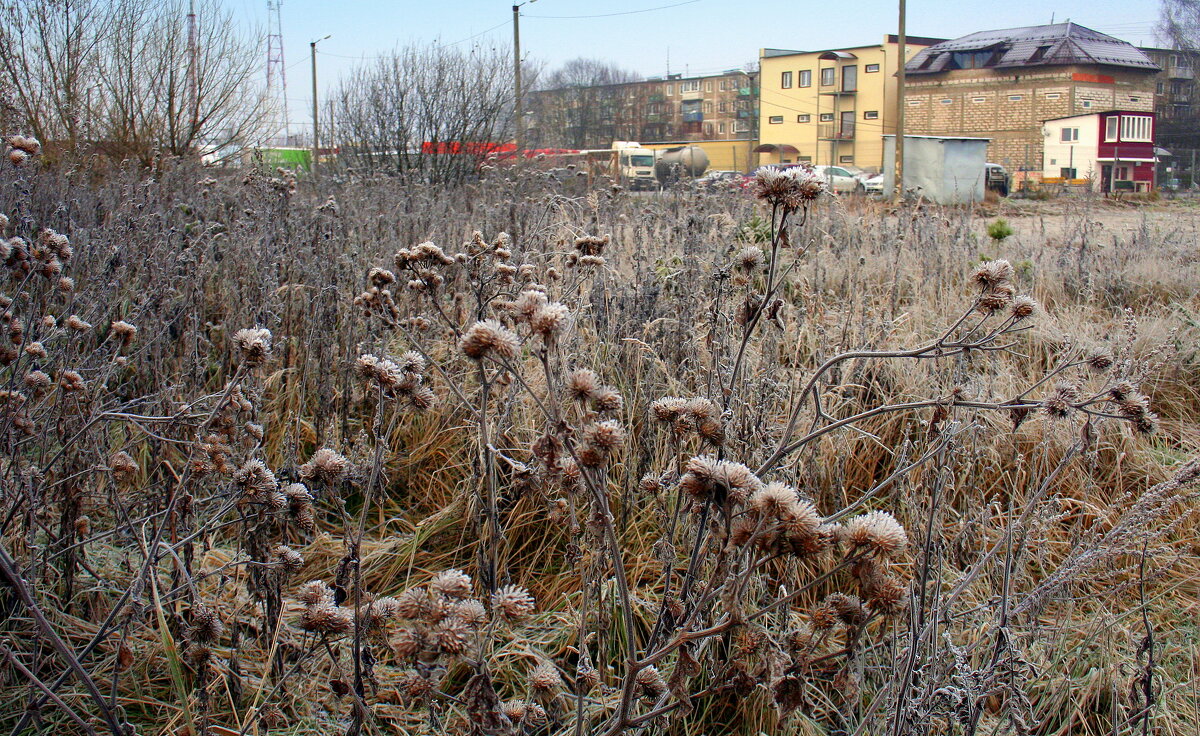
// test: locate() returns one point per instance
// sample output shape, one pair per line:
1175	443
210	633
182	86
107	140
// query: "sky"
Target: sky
686	36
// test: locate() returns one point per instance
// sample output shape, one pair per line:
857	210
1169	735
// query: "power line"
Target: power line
436	45
609	15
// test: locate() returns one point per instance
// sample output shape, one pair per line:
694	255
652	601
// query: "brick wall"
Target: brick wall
1010	107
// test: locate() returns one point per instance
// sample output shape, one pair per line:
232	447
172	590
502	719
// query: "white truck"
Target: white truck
645	168
635	165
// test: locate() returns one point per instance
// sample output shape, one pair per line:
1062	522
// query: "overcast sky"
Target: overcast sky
697	37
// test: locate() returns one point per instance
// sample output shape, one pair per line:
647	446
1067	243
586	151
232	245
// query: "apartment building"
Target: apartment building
1004	84
1175	86
831	106
675	108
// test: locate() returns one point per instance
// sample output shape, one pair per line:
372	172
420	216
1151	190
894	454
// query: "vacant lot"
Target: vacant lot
355	456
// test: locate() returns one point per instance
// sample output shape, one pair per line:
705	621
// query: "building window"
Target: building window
804	159
978	99
1135	128
1135	99
946	101
871	115
871	68
785	80
670	89
914	103
806	77
850	78
845	159
689	86
741	127
826	117
723	107
708	129
1015	98
1159	88
803	118
1052	95
827	76
775	119
708	86
1067	173
1038	53
1070	135
1085	103
1111	129
721	128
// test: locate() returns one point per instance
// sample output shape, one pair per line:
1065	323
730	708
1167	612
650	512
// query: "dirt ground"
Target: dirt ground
1061	219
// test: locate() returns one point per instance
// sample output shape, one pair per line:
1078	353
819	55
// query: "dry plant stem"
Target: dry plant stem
17	584
49	693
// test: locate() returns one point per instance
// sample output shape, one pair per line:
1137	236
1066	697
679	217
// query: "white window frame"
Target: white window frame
1112	129
826	117
1069	135
1136	128
804	118
805	77
870	69
775	120
785	80
870	115
830	73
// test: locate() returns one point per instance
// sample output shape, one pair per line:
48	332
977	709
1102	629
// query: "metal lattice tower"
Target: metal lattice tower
276	73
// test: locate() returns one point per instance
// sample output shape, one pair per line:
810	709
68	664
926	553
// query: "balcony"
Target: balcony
1181	72
744	113
835	132
693	117
745	91
655	98
839	92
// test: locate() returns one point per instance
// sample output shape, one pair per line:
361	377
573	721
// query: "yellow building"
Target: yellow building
830	107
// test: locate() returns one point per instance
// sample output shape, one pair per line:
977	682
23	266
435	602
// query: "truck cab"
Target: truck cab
636	165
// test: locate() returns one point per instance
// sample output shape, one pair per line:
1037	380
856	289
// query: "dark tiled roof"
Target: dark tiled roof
1049	45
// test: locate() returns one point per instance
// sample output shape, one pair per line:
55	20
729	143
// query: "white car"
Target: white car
838	179
873	183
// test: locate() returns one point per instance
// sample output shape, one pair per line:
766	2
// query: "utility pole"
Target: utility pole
518	111
193	85
312	45
898	183
518	123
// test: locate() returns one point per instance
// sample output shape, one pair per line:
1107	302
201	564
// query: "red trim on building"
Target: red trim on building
1097	78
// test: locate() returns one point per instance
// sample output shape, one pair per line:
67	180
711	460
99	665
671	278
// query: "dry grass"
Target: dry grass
191	262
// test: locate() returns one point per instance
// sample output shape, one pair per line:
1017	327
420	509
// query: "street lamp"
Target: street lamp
519	122
312	45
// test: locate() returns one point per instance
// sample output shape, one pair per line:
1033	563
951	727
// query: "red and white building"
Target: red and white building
1113	151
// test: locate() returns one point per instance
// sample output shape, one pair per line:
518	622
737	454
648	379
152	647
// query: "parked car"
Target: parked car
718	179
996	179
873	183
838	179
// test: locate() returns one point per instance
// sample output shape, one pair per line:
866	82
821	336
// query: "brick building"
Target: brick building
720	107
1004	84
831	106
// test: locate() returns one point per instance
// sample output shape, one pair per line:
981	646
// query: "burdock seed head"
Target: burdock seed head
991	274
512	603
454	584
326	466
877	533
254	344
489	338
545	678
582	384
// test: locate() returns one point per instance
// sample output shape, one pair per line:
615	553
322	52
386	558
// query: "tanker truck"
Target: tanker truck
645	168
684	162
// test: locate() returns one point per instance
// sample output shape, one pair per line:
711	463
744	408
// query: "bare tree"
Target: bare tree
1179	24
583	105
431	112
123	78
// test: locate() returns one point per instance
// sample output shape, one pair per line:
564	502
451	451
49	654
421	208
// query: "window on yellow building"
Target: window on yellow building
785	80
827	76
805	77
803	118
871	115
775	120
871	68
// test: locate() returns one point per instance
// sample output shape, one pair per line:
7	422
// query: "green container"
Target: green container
291	158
